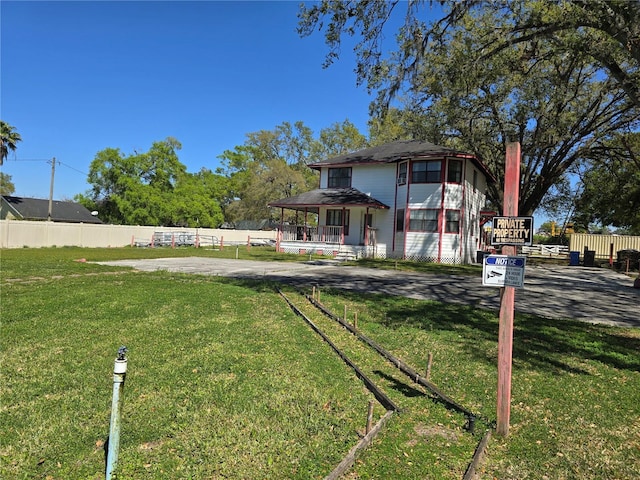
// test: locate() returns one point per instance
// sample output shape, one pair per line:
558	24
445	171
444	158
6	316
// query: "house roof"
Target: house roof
38	209
328	197
397	151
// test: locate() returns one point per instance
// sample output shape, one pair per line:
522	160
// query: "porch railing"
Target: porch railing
321	234
371	236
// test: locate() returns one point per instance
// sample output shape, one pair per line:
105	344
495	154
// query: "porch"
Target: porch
326	240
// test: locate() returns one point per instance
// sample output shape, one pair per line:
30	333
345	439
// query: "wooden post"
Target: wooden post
507	303
611	255
221	243
248	243
429	362
345	313
369	416
132	240
173	240
313	292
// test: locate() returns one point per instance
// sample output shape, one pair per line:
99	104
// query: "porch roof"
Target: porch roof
328	197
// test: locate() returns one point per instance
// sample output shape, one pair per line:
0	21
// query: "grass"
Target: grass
226	382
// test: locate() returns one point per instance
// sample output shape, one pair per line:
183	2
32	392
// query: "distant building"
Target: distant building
37	209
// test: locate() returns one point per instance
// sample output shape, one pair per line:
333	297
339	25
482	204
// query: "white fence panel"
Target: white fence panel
19	234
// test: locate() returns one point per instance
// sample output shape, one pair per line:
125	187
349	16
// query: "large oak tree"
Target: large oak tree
488	73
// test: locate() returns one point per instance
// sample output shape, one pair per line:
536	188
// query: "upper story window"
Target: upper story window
402	173
400	220
475	179
339	177
454	171
426	171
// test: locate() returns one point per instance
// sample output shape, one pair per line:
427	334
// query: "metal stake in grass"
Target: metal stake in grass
355	320
369	416
345	313
429	361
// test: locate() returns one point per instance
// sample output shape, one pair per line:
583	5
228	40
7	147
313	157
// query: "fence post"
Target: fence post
248	243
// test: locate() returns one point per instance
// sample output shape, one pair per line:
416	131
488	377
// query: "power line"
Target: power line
29	160
73	168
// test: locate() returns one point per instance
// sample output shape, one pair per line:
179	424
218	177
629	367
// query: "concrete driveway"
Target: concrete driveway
590	294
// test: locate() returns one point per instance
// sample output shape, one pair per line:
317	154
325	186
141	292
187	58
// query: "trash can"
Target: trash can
574	259
589	258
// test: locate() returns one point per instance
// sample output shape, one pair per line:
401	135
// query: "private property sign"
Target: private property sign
512	231
503	271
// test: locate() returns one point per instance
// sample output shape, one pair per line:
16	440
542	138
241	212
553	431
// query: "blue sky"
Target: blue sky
78	77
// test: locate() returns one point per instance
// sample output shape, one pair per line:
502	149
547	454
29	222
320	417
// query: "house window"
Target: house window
400	220
452	221
423	220
402	173
339	177
454	171
426	171
334	219
475	180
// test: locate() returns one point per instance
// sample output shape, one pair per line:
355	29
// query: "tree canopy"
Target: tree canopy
489	73
151	188
6	185
9	139
610	194
272	164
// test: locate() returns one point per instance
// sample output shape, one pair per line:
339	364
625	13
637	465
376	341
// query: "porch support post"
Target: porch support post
304	229
344	212
280	232
366	228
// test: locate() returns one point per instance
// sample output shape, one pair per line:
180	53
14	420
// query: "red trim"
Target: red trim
441	223
462	207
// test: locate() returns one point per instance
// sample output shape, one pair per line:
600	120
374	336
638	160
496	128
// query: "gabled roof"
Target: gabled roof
38	209
397	151
328	197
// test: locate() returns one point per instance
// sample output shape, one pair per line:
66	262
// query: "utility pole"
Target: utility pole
53	172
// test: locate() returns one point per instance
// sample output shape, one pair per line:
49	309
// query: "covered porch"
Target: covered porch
330	221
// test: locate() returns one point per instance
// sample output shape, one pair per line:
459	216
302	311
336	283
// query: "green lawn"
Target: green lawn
225	381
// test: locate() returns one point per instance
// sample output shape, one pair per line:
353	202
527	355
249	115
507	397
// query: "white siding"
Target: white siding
379	181
422	246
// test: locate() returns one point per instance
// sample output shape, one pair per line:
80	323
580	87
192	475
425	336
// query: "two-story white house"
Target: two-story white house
407	199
